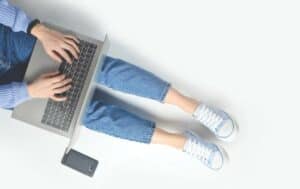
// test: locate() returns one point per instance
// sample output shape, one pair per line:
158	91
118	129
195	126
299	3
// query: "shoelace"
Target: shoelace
198	149
208	117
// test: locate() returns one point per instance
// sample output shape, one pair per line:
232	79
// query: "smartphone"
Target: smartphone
80	162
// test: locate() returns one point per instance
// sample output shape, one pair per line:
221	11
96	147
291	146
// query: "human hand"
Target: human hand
56	44
48	85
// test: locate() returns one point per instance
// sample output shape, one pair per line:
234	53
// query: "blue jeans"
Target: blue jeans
15	51
112	119
116	74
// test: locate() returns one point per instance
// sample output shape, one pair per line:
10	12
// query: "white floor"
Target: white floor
242	56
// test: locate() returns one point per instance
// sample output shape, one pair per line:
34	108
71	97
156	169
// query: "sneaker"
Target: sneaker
218	121
208	153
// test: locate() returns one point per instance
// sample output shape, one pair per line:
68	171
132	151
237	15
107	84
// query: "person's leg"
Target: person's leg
126	77
218	121
190	143
163	137
114	121
187	104
117	122
123	76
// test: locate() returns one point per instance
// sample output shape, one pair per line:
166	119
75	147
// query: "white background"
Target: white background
242	56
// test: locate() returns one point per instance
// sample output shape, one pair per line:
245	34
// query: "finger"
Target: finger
50	74
73	44
57	78
65	55
55	57
62	89
59	99
71	50
73	38
61	84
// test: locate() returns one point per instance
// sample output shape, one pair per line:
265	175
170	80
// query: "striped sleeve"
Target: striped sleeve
13	17
13	94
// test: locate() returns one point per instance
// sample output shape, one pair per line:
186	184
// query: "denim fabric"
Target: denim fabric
113	120
114	73
15	51
123	76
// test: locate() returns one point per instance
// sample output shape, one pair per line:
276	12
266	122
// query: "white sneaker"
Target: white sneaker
218	121
208	153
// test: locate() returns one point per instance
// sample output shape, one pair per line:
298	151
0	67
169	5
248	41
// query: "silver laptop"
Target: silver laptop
63	118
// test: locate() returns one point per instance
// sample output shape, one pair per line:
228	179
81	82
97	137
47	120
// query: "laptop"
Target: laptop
63	118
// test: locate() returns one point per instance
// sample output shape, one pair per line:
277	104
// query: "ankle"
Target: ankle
176	141
170	139
183	102
188	105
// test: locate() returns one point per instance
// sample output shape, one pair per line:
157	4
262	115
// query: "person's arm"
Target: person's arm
13	17
55	43
45	86
13	94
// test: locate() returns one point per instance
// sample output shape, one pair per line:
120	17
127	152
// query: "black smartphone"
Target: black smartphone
80	162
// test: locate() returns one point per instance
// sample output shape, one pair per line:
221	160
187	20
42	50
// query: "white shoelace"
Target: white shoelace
198	149
208	117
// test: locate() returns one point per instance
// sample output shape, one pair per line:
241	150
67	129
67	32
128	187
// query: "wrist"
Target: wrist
32	24
38	30
30	90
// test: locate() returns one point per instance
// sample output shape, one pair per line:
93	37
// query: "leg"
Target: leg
165	138
112	120
208	153
117	122
123	76
185	103
218	121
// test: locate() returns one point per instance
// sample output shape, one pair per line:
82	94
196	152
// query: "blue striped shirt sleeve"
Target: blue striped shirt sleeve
13	94
13	17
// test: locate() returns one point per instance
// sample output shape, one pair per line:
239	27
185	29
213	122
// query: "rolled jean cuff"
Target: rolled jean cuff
164	92
147	136
126	77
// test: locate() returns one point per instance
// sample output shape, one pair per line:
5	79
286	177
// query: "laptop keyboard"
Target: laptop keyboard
59	114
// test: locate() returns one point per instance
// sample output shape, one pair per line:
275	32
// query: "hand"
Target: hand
56	44
48	85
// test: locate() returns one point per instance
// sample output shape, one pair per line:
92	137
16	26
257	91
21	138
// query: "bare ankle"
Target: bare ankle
185	103
165	138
